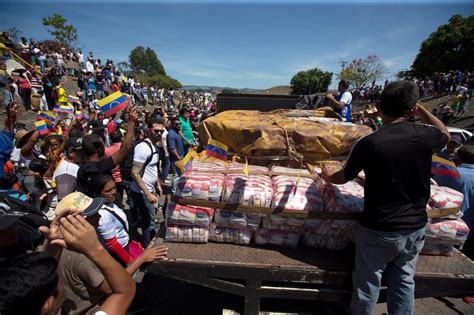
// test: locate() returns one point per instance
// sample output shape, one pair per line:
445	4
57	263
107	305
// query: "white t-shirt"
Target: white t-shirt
110	226
150	175
346	98
163	143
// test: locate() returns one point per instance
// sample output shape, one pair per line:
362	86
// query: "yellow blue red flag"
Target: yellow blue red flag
113	103
216	149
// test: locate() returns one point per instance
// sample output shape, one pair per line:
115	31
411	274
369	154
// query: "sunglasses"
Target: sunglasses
157	131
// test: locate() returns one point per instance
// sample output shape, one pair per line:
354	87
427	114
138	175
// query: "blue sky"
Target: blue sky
241	44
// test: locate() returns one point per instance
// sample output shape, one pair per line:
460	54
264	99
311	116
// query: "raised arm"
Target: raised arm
428	118
81	237
127	143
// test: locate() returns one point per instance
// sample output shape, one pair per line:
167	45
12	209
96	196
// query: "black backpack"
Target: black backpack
127	163
28	235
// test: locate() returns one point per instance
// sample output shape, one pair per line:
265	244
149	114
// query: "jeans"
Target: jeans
166	168
146	211
6	97
394	254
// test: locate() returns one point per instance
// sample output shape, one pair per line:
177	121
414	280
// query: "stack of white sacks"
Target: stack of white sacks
292	192
447	230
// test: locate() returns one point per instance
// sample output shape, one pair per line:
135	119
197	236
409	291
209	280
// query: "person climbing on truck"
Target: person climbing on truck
397	162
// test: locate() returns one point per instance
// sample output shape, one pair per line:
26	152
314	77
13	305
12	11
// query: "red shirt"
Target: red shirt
23	83
116	170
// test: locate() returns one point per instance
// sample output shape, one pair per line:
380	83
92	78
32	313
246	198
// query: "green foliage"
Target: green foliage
405	75
230	90
310	82
450	47
66	34
361	72
160	80
146	61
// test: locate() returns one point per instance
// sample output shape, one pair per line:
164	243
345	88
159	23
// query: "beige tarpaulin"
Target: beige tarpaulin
314	134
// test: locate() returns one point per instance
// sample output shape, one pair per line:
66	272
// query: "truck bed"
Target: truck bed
305	273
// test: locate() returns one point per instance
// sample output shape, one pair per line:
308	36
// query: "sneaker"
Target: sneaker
469	299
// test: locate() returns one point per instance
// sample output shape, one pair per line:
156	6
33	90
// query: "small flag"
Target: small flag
113	103
48	116
42	127
246	169
79	115
440	166
216	149
64	108
74	99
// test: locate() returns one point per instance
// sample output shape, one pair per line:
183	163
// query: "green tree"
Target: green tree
228	90
405	75
145	60
160	80
361	72
450	47
310	82
66	34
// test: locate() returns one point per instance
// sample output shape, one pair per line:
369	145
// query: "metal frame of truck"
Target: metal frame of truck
302	273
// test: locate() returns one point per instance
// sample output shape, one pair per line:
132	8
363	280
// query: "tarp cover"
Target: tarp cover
309	132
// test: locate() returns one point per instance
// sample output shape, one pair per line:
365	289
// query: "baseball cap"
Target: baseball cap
74	143
80	202
8	216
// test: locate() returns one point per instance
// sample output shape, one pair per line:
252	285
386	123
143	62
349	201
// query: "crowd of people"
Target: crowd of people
81	190
90	183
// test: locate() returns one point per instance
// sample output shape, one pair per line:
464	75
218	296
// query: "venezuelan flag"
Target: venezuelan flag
440	166
64	108
42	127
73	99
216	149
113	103
48	116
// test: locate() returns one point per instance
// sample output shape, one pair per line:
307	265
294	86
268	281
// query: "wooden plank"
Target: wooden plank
266	210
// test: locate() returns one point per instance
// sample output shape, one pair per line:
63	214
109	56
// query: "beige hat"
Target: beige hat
79	202
22	136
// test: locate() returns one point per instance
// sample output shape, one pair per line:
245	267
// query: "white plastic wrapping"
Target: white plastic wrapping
237	220
188	215
200	186
447	231
306	196
252	190
444	201
186	234
277	237
230	235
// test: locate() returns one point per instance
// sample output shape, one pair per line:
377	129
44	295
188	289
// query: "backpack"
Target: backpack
127	163
28	235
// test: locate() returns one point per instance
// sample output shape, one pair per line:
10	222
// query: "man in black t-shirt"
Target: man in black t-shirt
396	160
94	151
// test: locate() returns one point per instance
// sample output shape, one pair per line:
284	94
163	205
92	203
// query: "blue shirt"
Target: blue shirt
465	184
174	142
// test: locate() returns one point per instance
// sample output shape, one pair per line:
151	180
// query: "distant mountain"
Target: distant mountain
283	89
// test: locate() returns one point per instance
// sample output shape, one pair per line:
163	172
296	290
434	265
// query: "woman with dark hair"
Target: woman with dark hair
113	227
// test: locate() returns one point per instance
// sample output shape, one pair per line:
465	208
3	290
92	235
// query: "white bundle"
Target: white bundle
235	167
188	215
447	231
230	235
278	222
252	190
208	167
444	201
277	237
200	186
437	249
237	220
289	171
306	196
186	234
